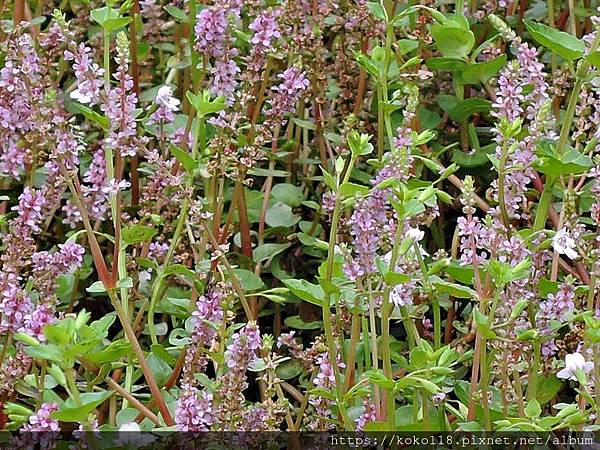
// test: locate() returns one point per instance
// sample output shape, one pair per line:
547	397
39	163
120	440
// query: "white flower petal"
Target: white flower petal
565	374
130	426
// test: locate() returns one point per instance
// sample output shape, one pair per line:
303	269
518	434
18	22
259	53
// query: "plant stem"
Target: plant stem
501	186
199	137
133	401
581	74
535	367
139	353
483	385
437	316
327	306
135	75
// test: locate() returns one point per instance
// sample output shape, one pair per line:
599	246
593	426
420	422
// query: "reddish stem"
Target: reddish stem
19	11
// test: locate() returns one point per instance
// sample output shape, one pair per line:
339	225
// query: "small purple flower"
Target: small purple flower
167	105
36	320
211	31
194	411
120	104
12	160
266	30
88	75
369	415
70	255
15	305
288	92
41	420
29	209
208	309
402	294
224	78
242	349
158	250
328	202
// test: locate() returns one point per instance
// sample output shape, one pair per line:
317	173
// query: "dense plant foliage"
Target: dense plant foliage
299	215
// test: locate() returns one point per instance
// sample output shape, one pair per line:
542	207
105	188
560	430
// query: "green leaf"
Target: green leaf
519	308
483	324
377	377
159	368
349	190
69	412
395	278
377	425
474	159
114	24
359	144
329	180
61	332
101	326
453	42
366	63
266	251
594	59
289	369
298	323
564	44
482	72
179	269
101	15
377	10
470	426
90	114
249	280
49	352
186	160
533	409
113	352
570	162
305	124
418	358
260	172
443	63
125	283
281	215
135	234
407	45
26	338
453	289
97	287
288	193
468	107
204	105
309	292
177	13
547	388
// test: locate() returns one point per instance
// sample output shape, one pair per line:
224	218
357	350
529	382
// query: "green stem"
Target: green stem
544	205
535	367
199	136
327	304
425	409
380	125
582	73
387	360
596	359
74	393
501	185
437	314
